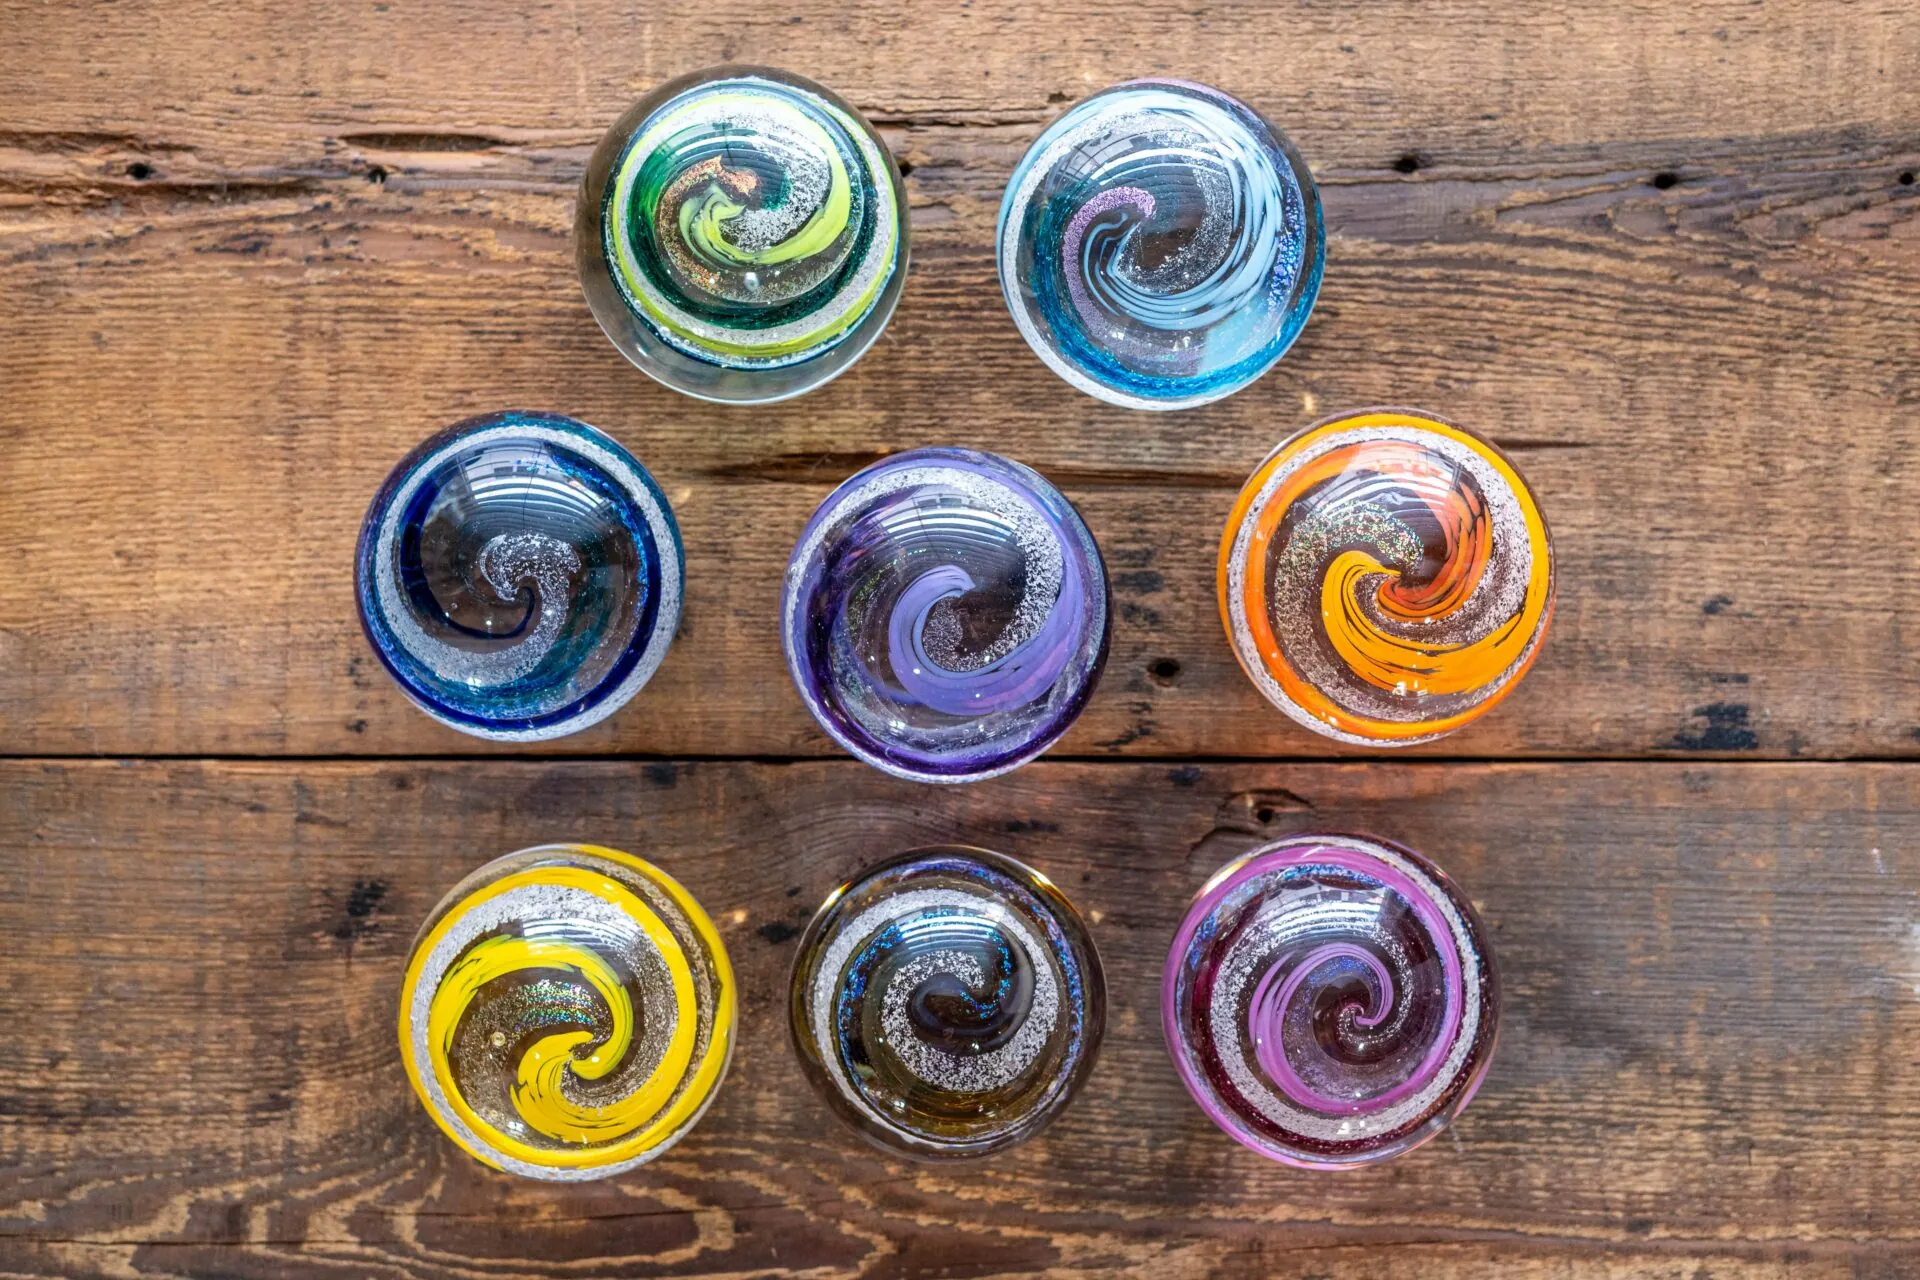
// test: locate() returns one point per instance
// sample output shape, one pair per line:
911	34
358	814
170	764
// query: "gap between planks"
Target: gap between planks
1116	760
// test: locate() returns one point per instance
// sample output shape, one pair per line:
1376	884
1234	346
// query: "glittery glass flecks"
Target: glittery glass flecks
947	1003
520	576
1330	1000
1160	245
742	234
1386	577
945	615
568	1013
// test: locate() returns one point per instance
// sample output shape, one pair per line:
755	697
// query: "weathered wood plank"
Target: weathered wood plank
248	255
1717	425
1382	77
1705	1066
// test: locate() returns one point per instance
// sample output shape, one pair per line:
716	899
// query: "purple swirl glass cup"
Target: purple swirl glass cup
946	615
1330	1000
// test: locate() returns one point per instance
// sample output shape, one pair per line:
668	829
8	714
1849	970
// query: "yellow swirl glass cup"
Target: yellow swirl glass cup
1386	577
568	1013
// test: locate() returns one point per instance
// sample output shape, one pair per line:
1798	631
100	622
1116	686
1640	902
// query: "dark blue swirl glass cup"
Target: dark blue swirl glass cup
520	576
946	615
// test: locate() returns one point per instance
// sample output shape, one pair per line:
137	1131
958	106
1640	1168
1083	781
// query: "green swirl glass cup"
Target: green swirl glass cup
741	234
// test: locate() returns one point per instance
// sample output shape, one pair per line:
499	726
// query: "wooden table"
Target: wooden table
1666	253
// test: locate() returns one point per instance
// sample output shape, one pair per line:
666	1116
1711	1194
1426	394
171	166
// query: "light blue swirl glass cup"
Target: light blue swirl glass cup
1160	245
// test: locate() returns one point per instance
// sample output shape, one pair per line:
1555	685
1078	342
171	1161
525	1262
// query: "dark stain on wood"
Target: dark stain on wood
358	917
776	932
1726	729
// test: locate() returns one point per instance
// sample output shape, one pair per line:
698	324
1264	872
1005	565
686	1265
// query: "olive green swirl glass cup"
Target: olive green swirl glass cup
741	235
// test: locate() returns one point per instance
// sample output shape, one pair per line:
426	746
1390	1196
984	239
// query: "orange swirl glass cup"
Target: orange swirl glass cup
1386	577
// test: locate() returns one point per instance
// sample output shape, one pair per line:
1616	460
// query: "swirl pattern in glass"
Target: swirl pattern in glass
947	1003
568	1013
520	576
945	615
1160	245
1386	577
742	234
1330	1000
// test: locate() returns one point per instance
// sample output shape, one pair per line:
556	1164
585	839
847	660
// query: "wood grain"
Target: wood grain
1705	1067
249	256
1667	254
